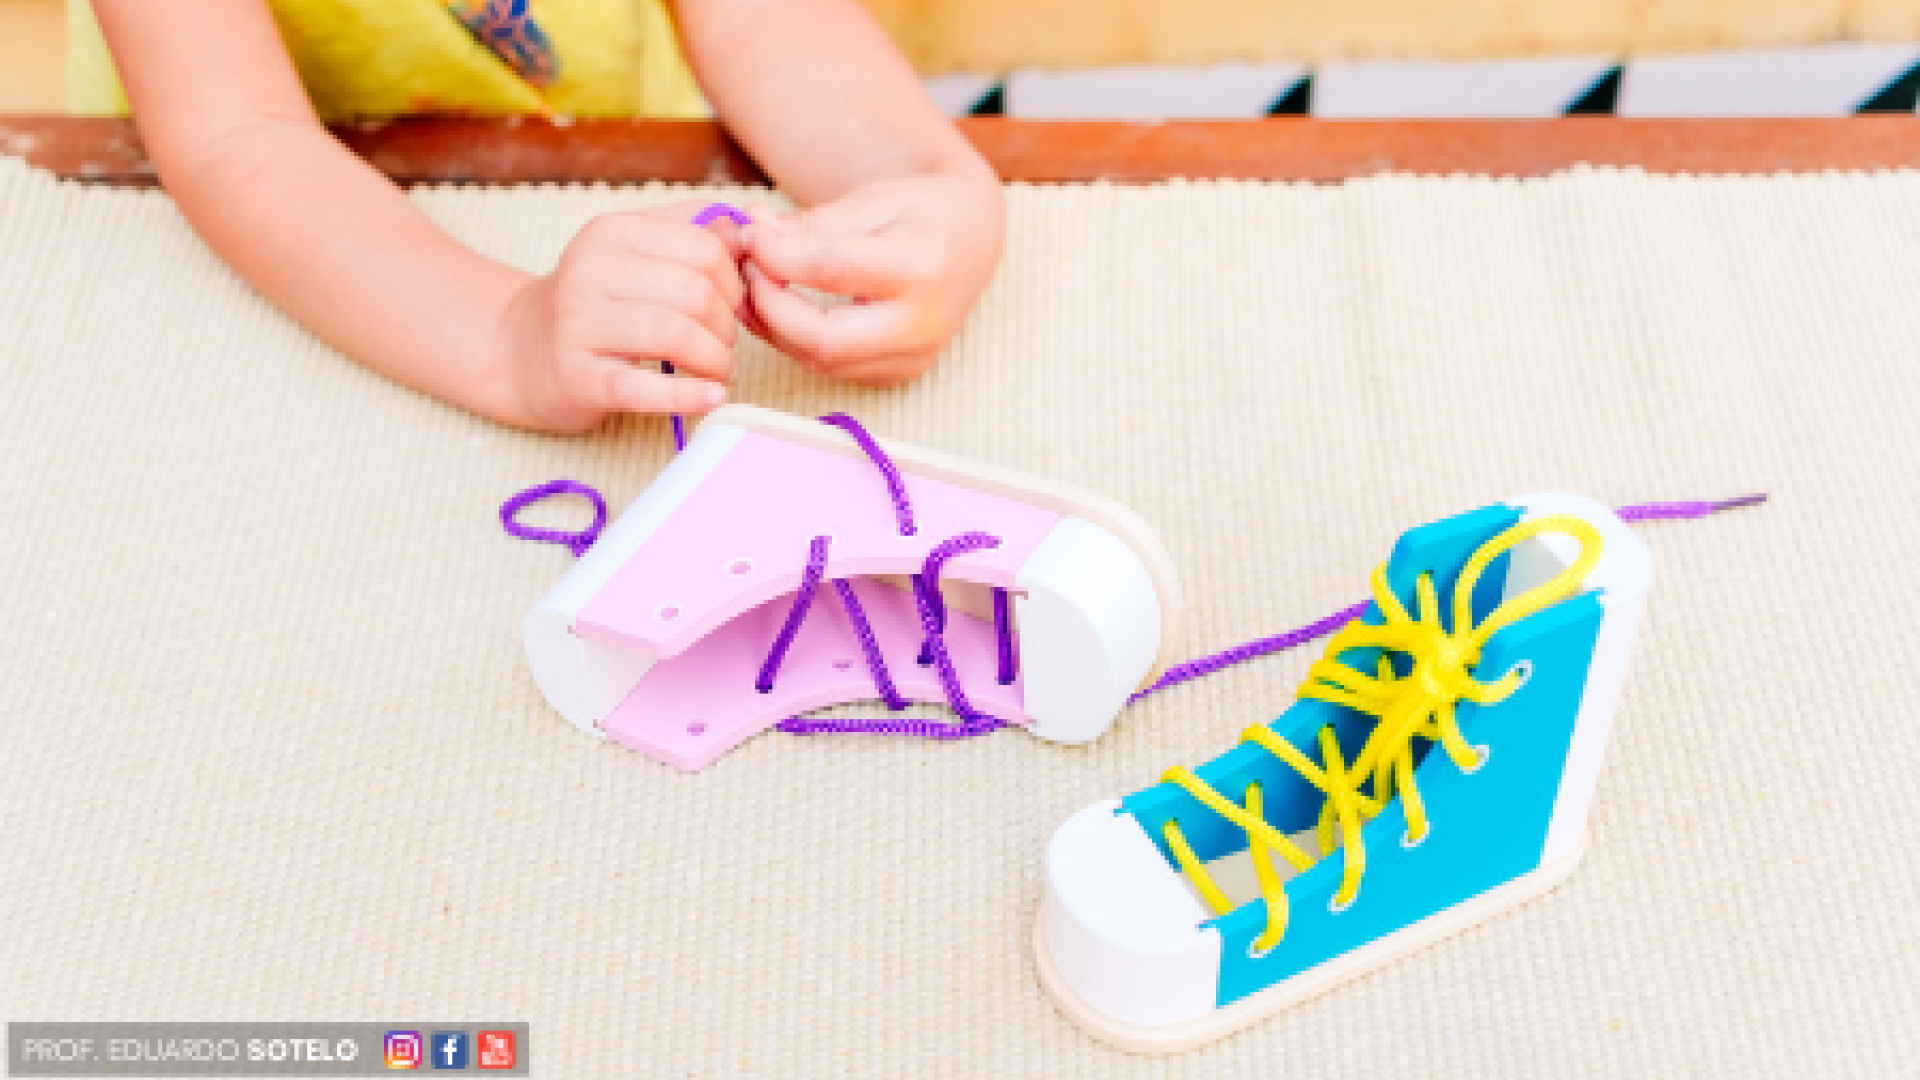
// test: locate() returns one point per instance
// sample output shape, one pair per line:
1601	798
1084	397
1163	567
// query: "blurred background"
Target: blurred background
33	49
1164	59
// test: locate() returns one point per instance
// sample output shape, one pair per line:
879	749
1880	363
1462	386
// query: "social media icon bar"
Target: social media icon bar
403	1049
443	1045
455	1050
498	1050
448	1049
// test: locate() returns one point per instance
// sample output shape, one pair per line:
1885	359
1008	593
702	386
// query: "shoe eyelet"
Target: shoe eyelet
1255	952
1335	907
1408	841
1523	669
1485	752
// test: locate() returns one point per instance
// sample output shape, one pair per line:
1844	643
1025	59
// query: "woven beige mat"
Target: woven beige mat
269	750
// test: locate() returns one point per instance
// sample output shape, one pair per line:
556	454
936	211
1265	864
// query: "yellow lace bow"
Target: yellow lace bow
1421	705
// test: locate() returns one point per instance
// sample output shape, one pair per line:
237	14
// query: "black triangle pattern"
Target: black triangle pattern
1297	101
1601	98
1899	96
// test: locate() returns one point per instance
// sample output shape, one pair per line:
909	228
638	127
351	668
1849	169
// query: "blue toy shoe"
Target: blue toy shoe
1446	747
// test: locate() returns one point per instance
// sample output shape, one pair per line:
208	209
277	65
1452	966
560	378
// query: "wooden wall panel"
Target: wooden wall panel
995	35
1884	20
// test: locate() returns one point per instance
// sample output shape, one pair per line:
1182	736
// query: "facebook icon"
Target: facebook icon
449	1050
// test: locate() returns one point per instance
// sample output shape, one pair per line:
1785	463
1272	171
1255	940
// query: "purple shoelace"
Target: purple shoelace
932	607
708	215
1678	511
802	600
679	425
971	721
713	212
933	619
576	542
1239	654
1201	667
1003	630
896	487
927	599
869	647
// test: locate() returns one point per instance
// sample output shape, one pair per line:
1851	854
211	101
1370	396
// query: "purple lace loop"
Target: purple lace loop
896	487
927	598
576	542
933	621
713	212
809	583
933	616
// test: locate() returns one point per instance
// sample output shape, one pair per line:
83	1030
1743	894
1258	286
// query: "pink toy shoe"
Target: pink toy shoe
696	620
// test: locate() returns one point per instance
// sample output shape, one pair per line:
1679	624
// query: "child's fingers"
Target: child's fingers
833	338
888	370
768	300
676	286
644	331
850	265
750	318
613	385
649	235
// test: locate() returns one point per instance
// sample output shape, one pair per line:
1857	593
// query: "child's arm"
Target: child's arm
345	252
904	215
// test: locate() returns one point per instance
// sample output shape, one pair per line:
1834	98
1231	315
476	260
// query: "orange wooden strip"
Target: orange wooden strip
528	150
417	151
1331	150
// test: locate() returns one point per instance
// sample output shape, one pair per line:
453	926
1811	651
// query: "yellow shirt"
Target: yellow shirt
392	57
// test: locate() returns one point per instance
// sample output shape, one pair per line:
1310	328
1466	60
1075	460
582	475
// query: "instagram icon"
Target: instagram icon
403	1049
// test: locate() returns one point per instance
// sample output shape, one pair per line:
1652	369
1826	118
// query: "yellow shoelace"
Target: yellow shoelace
1421	705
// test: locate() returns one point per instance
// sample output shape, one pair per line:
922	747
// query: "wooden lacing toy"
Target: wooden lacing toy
698	618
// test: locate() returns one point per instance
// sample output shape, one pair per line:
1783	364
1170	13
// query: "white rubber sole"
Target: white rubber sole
1276	999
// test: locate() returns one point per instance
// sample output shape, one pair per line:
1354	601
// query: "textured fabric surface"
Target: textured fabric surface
271	751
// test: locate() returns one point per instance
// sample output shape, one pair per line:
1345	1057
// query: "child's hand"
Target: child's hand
642	286
911	252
